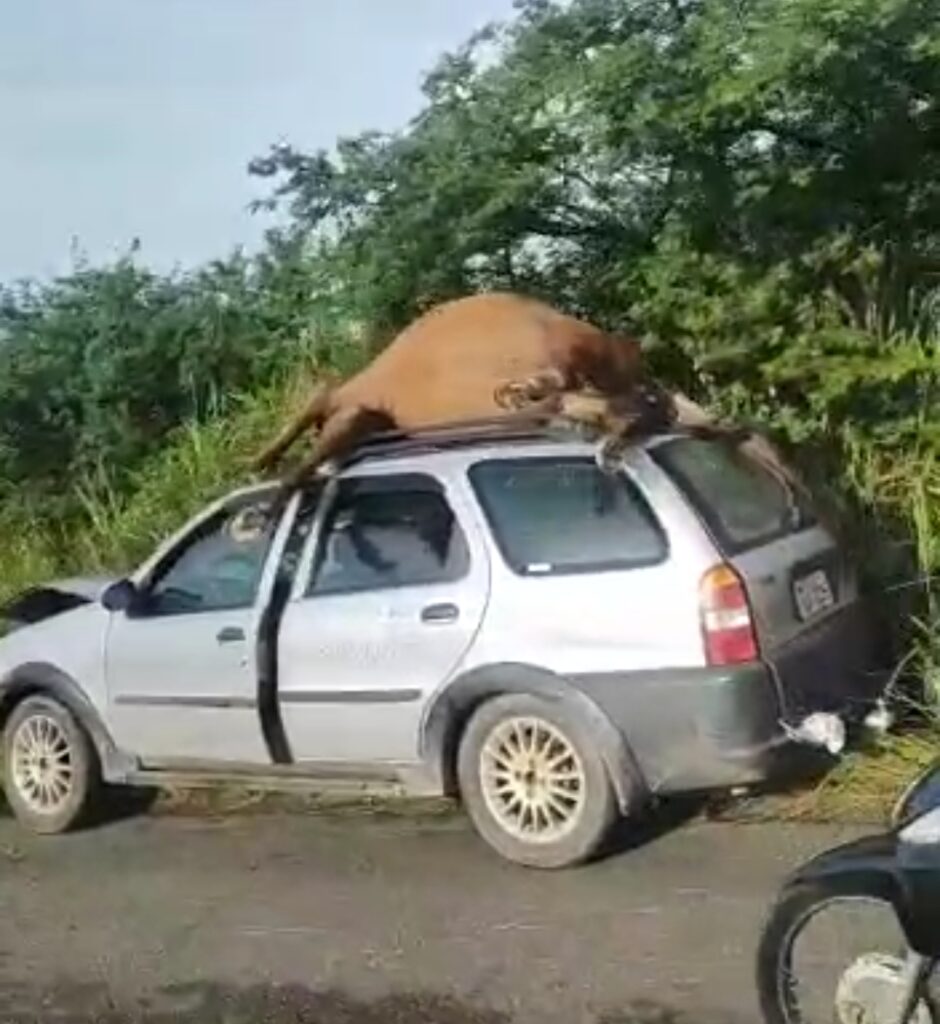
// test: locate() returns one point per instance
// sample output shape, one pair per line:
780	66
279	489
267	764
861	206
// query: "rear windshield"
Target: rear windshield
553	516
742	503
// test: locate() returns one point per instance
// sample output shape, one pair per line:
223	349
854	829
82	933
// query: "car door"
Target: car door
390	597
179	662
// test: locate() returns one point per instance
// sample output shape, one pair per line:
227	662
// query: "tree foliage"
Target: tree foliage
97	367
751	185
728	176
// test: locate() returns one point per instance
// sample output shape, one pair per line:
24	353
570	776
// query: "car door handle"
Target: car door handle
230	635
440	613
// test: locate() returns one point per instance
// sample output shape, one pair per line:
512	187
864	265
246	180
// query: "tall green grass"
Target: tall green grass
113	529
899	489
116	519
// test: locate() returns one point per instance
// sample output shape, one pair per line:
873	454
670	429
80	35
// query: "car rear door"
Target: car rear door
386	603
802	589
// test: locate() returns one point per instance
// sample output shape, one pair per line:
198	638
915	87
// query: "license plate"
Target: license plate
813	594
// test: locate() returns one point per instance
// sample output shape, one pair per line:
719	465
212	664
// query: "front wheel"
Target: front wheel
827	956
534	783
50	769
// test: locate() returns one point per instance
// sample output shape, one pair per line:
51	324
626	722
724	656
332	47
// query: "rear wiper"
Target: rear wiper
794	508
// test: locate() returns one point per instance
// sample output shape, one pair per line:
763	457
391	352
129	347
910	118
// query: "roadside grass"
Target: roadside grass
861	789
115	527
246	800
865	786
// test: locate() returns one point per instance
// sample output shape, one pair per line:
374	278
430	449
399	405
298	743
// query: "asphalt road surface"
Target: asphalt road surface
326	920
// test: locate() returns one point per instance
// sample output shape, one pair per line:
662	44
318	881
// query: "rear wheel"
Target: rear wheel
833	956
50	769
533	782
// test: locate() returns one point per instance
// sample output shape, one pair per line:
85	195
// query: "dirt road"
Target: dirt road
349	921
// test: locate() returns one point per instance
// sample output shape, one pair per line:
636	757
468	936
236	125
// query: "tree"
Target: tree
707	169
97	367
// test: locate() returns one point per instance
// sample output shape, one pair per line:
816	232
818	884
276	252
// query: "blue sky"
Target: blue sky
136	118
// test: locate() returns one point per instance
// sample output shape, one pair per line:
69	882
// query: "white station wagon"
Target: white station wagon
480	612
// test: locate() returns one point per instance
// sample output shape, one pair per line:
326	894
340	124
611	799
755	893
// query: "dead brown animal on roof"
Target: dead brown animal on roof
471	359
617	424
501	355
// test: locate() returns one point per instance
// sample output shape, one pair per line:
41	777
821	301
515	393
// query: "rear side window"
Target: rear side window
743	504
389	531
553	516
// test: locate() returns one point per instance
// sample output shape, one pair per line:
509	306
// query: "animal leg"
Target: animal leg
313	414
589	408
340	434
620	435
620	419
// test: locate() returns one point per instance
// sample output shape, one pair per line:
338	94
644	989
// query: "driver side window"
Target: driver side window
218	568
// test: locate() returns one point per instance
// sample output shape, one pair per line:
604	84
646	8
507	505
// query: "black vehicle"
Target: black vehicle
854	936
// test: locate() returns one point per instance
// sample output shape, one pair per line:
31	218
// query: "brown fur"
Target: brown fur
471	359
619	423
499	355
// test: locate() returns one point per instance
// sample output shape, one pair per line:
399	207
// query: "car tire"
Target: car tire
533	782
50	768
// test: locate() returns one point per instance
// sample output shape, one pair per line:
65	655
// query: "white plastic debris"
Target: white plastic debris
821	729
880	719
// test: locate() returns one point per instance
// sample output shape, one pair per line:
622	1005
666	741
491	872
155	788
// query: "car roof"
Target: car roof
456	450
486	436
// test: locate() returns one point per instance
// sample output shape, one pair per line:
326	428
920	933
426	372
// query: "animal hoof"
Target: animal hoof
609	457
249	524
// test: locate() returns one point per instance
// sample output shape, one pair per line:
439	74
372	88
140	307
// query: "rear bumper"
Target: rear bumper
836	666
701	729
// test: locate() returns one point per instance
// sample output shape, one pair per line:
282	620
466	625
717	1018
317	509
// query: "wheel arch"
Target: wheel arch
452	708
34	679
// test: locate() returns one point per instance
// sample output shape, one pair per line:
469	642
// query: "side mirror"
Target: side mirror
922	795
119	596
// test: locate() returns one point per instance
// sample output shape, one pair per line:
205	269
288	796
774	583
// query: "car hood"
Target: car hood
89	587
43	601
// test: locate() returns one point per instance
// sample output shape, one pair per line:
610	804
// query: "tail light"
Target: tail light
727	626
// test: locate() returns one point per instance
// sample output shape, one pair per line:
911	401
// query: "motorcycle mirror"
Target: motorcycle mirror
921	796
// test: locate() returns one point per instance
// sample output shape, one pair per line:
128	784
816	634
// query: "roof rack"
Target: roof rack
467	433
457	435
